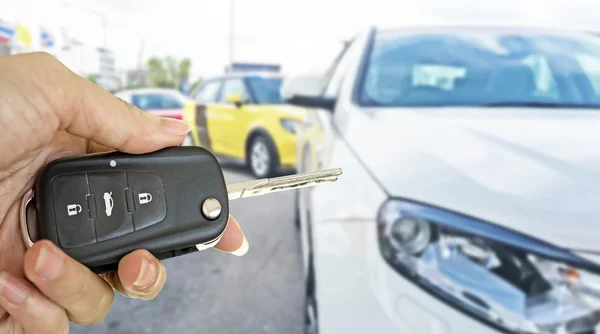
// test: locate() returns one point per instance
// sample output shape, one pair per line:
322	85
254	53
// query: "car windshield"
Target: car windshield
266	90
482	68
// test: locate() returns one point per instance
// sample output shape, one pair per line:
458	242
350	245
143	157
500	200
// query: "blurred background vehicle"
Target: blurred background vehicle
473	154
163	102
242	116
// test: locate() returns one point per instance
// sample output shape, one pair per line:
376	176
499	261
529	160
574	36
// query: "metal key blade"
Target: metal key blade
267	186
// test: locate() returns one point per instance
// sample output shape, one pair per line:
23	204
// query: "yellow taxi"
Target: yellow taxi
242	116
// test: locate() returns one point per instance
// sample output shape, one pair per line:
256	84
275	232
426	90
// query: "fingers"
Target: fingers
140	276
85	296
233	240
30	308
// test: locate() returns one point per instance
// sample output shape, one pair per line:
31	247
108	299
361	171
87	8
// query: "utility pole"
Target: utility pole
231	30
140	61
104	27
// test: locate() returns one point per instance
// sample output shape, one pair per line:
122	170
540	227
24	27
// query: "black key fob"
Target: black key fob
100	207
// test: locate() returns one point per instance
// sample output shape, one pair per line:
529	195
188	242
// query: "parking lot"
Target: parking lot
212	292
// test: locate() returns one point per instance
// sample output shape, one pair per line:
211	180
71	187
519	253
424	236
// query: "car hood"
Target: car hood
533	170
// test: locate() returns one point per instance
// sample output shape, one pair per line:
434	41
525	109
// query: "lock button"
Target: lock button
148	198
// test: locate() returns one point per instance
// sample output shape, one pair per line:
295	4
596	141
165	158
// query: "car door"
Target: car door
206	119
231	119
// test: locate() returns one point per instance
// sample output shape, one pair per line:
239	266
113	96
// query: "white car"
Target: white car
470	199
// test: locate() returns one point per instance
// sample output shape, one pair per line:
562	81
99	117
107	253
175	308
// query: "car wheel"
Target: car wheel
188	141
297	209
261	157
311	326
311	323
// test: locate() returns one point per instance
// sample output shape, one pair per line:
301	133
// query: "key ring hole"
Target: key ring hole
32	221
29	220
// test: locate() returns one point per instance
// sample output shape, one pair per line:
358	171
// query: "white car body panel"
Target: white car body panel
533	170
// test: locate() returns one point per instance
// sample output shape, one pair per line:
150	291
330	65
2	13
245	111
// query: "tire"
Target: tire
262	157
297	209
311	322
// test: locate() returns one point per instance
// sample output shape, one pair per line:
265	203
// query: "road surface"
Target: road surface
212	292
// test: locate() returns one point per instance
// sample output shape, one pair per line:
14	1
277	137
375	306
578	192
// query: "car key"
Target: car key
100	207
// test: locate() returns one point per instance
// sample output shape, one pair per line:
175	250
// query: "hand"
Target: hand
48	112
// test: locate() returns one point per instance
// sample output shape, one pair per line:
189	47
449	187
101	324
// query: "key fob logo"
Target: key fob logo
73	209
145	198
108	203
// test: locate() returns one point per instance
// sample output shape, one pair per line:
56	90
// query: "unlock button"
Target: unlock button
74	226
149	199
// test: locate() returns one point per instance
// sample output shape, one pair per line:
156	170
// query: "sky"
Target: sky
301	35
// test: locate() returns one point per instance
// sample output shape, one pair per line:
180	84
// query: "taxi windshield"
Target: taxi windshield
482	68
266	90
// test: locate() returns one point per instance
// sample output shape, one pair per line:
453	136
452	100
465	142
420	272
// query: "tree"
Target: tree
184	68
156	72
91	78
194	86
168	72
172	74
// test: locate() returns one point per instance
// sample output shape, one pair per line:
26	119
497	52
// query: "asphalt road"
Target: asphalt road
212	292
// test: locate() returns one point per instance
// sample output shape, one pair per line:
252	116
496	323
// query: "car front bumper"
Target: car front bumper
358	292
286	148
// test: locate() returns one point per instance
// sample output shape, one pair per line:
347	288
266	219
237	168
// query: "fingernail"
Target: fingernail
12	289
243	248
147	275
48	265
175	126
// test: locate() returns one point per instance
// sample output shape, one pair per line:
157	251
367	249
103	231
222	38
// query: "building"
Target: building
102	69
96	64
134	78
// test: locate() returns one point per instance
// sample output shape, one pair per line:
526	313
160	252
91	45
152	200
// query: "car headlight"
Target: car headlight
290	125
513	282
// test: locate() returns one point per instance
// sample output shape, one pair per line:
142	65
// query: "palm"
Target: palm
15	181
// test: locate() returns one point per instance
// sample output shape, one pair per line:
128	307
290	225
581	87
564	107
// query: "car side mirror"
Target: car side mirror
306	91
234	99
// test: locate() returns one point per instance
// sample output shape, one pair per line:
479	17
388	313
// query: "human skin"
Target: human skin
48	112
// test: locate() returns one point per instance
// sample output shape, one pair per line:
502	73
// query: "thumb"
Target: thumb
93	113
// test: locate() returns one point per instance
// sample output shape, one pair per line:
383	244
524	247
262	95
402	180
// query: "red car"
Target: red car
163	102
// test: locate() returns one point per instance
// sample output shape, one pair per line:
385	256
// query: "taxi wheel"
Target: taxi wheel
262	157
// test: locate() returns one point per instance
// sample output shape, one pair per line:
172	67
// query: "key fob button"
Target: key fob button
71	210
148	198
111	207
